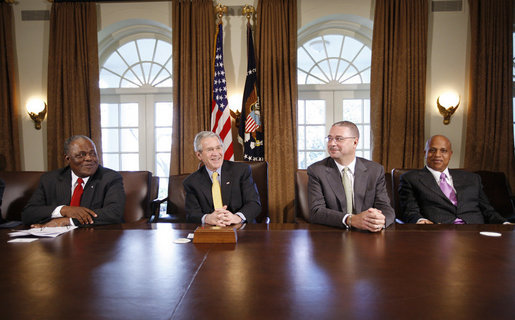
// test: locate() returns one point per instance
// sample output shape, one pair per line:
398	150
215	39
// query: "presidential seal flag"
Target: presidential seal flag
251	132
220	112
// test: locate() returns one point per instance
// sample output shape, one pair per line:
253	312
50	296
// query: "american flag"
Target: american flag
220	112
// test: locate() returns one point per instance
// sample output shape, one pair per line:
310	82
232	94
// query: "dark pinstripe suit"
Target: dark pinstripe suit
421	197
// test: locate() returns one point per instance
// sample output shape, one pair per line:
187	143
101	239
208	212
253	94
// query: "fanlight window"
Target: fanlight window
150	67
333	59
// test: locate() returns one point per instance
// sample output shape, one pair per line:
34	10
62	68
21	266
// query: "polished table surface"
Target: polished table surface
275	271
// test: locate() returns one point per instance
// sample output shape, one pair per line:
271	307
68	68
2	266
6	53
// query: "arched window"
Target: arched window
333	67
136	97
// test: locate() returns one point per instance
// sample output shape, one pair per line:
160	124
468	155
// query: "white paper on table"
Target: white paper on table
23	240
49	232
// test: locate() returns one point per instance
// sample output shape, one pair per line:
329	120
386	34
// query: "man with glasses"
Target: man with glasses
347	191
82	193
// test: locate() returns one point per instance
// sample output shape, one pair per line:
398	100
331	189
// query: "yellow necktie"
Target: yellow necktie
217	193
348	189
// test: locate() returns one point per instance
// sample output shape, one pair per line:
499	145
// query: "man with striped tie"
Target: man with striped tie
437	194
221	192
82	193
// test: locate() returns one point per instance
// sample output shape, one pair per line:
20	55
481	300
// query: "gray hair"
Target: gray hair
350	125
72	139
197	143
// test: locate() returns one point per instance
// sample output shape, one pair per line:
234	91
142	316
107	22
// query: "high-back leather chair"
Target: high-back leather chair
177	195
301	195
396	177
138	191
19	186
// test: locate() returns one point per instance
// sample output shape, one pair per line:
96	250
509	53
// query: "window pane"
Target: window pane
301	138
163	164
162	77
111	160
108	79
164	114
163	52
115	63
109	115
163	139
315	111
366	136
129	141
314	157
352	110
302	160
315	48
130	161
351	47
110	140
129	53
163	188
129	114
315	137
304	61
333	44
146	49
366	110
363	59
300	112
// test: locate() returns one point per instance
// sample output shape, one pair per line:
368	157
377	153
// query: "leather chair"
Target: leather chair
301	195
138	195
19	186
396	177
498	191
176	194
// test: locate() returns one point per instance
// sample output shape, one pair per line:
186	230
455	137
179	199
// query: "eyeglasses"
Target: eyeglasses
81	155
337	138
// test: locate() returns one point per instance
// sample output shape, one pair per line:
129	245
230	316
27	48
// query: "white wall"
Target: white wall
447	59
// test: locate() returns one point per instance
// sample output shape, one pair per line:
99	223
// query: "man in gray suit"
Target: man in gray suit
82	193
345	190
436	194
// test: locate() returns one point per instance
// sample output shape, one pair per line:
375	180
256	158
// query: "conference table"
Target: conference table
274	271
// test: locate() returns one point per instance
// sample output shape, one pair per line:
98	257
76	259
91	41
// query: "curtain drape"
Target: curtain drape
398	83
193	30
9	140
489	144
276	39
73	91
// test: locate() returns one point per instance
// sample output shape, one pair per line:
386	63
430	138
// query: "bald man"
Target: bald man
436	194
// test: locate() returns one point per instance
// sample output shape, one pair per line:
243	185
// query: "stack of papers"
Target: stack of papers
48	232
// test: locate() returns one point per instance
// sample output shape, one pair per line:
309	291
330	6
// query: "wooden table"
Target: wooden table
283	271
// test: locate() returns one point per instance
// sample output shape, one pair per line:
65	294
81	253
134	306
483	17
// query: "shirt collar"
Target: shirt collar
436	174
210	173
351	166
75	178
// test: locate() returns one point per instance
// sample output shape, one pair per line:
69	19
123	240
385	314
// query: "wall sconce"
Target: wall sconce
36	108
447	104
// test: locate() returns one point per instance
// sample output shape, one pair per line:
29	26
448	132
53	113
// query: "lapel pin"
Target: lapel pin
228	182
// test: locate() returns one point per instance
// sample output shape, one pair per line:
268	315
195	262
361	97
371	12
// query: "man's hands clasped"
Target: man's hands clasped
372	220
222	217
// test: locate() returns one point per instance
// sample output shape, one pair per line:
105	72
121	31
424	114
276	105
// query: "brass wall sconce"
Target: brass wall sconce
36	108
447	104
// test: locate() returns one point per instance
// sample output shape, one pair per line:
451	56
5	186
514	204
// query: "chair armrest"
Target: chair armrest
155	207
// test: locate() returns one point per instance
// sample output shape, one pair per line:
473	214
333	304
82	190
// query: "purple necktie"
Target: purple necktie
450	194
447	189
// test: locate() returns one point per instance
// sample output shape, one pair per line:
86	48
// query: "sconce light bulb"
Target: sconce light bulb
35	105
449	99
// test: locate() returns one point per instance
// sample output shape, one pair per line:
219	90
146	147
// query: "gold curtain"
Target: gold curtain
9	141
73	91
193	30
398	83
276	40
489	144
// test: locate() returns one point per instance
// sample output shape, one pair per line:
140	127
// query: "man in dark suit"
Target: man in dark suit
345	190
239	200
436	194
81	193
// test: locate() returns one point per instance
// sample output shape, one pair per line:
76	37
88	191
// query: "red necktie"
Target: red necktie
77	194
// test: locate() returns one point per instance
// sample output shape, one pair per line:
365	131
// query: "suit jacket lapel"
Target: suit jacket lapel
89	191
427	179
225	184
64	187
360	185
334	178
205	184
